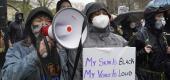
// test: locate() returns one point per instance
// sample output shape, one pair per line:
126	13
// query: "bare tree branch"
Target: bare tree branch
40	3
50	3
45	3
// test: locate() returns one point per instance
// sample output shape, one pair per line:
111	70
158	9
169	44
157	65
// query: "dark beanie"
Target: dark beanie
58	6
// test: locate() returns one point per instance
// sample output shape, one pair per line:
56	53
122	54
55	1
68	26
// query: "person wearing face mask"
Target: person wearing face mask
16	28
28	59
129	28
99	34
151	46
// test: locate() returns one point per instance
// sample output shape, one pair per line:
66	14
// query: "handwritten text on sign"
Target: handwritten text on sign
109	63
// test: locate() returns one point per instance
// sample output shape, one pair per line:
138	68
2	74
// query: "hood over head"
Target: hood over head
59	3
32	15
19	16
150	13
91	8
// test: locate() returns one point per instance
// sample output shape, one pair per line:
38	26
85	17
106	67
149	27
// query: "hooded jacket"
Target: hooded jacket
16	29
59	3
101	37
31	16
22	61
154	61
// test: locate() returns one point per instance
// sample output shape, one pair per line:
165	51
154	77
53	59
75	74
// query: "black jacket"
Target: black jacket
16	29
153	61
158	42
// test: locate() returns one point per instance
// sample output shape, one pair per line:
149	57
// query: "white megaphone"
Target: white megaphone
68	28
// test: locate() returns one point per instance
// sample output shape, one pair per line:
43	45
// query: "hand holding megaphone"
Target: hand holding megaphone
69	29
43	47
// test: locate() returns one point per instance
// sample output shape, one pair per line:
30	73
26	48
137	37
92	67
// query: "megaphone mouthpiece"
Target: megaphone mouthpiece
44	30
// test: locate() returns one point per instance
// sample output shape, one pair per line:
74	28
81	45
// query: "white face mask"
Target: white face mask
100	21
160	23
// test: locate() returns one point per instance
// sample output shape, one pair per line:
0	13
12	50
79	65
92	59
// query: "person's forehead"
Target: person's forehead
100	10
42	17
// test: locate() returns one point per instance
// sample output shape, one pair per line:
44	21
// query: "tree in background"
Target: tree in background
25	6
22	5
45	3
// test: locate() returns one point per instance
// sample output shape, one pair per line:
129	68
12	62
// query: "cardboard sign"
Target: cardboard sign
109	63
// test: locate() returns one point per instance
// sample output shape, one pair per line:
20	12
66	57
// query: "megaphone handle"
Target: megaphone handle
47	46
79	52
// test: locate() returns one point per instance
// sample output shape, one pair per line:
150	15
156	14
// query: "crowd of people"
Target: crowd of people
25	49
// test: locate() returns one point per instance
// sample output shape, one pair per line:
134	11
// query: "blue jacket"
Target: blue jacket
21	63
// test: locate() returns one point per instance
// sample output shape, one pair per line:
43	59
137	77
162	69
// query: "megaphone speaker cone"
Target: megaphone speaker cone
67	27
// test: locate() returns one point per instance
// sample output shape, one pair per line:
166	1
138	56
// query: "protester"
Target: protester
99	35
151	46
63	4
129	29
25	60
98	31
17	28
